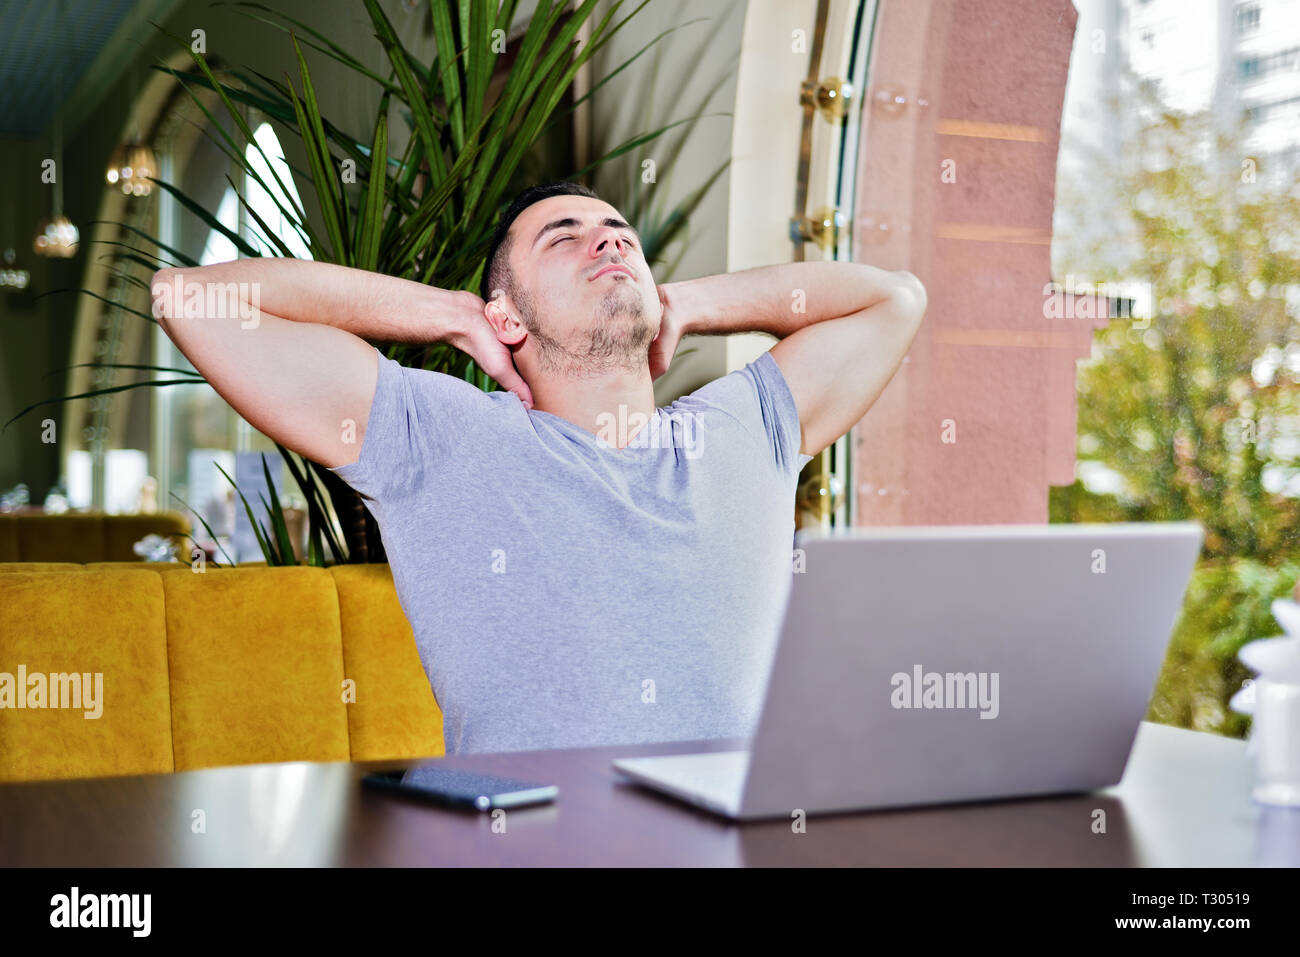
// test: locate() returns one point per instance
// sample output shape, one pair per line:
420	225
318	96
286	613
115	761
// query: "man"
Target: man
578	566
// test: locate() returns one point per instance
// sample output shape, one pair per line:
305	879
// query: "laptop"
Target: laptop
945	664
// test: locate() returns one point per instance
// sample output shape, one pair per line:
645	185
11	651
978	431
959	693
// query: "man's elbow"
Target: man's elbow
911	292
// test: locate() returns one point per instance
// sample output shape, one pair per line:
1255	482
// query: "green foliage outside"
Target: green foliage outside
1196	413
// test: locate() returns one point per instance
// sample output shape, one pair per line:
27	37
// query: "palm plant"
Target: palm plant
426	215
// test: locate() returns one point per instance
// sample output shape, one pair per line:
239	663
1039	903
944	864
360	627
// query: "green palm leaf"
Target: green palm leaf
276	514
263	541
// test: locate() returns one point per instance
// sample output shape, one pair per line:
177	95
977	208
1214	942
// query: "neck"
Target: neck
614	404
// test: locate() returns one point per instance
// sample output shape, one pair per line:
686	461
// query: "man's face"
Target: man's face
582	287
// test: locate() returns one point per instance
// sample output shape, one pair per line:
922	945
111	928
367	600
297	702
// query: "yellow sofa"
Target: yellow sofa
200	669
82	536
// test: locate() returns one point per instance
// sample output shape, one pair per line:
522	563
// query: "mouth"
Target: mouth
613	267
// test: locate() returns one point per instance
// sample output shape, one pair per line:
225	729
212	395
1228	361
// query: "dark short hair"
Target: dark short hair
496	270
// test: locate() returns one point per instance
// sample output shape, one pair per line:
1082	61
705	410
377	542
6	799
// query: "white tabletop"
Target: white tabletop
1186	803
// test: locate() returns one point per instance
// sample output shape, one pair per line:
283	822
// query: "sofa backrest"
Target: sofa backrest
227	666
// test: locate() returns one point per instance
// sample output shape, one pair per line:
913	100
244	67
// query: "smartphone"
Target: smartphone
461	788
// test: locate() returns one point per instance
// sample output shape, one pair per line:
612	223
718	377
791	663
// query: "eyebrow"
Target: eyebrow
569	221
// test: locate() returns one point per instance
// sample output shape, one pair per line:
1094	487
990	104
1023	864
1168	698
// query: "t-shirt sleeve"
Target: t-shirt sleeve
417	417
759	398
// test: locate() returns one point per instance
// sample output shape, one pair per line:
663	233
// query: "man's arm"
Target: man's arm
283	341
843	329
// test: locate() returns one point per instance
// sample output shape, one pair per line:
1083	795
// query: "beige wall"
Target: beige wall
766	144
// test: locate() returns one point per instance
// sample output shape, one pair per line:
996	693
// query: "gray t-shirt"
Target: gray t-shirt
564	592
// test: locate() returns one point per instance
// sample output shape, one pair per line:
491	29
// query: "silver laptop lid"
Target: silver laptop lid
920	665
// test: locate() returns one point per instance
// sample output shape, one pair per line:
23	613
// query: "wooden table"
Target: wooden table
1184	801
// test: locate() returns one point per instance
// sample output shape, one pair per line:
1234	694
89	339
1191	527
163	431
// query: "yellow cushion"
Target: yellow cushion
229	666
256	662
111	623
394	714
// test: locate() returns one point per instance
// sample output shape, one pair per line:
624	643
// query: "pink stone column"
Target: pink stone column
982	84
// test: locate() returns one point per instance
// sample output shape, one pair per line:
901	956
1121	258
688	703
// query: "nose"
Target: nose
608	238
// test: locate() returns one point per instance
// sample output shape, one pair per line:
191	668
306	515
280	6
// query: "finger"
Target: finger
509	379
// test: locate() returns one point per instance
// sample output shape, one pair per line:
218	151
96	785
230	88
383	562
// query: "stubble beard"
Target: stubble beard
618	340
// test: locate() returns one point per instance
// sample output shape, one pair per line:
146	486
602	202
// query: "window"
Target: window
263	202
218	248
1266	112
1251	67
202	430
1247	18
1190	409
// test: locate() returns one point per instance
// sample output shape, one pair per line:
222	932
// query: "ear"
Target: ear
505	322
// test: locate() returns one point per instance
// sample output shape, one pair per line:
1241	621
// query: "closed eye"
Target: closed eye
628	239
